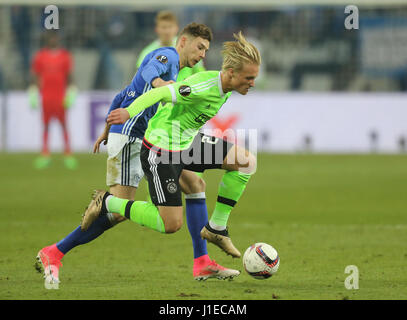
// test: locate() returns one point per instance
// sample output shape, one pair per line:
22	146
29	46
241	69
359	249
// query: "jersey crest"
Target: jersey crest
162	59
184	90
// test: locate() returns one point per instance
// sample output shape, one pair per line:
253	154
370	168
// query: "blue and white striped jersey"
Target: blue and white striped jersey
162	63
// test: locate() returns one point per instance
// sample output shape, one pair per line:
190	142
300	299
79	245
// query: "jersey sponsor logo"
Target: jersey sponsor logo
131	93
202	118
184	90
162	59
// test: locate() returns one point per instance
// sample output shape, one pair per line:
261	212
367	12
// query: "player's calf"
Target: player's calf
118	218
172	218
165	219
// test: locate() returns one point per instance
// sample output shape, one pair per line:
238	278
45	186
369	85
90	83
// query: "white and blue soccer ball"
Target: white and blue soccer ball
261	260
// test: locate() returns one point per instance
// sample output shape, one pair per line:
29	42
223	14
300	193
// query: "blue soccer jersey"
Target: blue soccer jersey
161	63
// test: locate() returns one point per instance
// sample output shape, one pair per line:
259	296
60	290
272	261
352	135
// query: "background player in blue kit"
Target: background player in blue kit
124	170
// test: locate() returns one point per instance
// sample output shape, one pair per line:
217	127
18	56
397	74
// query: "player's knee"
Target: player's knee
252	163
247	163
198	186
191	183
240	159
202	185
173	225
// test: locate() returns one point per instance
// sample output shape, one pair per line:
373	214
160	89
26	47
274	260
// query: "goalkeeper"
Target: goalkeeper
52	88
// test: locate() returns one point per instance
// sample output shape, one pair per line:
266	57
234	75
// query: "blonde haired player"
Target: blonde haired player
189	105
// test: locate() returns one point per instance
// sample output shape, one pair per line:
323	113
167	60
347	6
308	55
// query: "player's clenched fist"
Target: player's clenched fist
118	116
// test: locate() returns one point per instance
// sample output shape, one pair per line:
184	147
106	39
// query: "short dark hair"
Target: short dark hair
197	30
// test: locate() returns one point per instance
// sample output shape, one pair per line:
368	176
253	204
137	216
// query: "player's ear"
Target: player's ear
183	41
231	72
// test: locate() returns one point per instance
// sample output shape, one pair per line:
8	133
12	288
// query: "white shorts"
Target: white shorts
123	162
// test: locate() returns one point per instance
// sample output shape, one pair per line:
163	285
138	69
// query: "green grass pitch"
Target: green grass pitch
321	212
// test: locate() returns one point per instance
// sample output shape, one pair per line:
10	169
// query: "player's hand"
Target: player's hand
118	116
70	96
33	96
100	139
158	82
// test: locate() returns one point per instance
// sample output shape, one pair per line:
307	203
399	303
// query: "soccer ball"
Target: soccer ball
261	260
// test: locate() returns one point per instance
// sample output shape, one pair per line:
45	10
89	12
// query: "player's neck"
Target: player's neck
181	57
165	44
181	63
225	81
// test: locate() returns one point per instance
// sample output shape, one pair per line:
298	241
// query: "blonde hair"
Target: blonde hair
166	16
237	53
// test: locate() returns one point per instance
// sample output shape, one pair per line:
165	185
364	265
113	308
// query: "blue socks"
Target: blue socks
78	237
197	218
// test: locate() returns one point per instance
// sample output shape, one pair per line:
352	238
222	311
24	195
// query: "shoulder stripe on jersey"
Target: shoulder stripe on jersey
210	84
205	88
202	84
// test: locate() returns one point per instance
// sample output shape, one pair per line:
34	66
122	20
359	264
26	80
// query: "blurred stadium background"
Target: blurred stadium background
321	88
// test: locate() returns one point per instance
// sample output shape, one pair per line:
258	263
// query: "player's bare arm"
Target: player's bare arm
118	116
103	138
158	82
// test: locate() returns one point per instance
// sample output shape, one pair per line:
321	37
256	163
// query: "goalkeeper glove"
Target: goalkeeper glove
70	96
33	96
